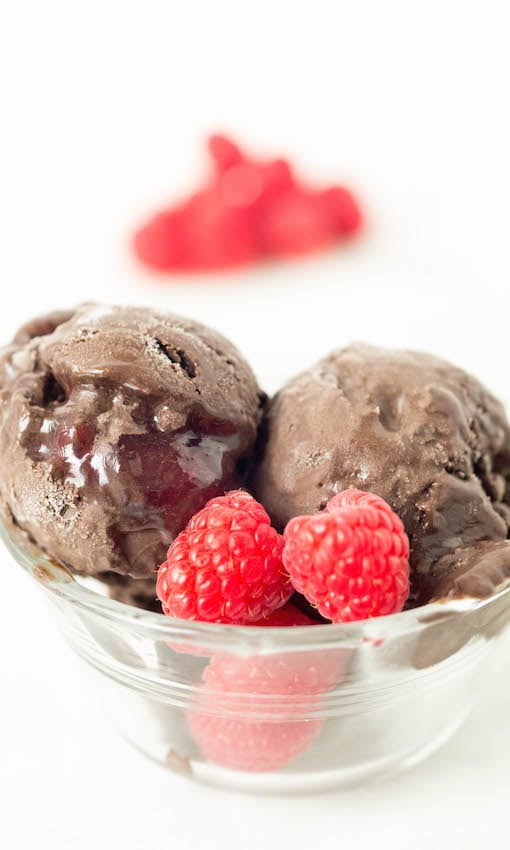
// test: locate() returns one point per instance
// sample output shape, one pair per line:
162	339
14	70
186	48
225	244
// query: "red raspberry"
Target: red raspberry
224	151
240	186
203	233
159	243
277	179
226	565
273	176
296	223
343	210
243	743
299	674
286	616
254	186
351	561
238	690
250	209
252	710
217	235
352	498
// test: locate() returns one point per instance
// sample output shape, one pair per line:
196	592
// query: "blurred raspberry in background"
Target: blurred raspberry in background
249	210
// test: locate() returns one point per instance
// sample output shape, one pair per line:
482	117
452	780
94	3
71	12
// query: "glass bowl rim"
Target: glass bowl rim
60	583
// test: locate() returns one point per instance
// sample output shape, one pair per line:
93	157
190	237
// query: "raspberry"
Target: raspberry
289	615
343	210
298	674
277	179
274	176
203	233
249	209
224	152
226	565
218	234
159	243
352	498
254	184
240	186
351	561
241	743
249	715
296	223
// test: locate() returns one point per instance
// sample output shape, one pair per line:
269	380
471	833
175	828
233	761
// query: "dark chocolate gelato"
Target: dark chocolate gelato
117	424
419	432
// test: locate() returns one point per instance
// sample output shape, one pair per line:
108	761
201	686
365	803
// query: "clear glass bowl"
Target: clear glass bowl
277	710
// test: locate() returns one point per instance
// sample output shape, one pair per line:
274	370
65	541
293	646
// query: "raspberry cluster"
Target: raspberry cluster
248	210
228	565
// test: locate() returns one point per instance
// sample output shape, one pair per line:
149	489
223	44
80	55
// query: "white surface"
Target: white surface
103	108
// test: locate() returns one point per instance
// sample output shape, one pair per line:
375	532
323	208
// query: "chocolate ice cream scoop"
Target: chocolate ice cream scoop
116	425
421	433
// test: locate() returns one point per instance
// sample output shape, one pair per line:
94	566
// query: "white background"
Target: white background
103	108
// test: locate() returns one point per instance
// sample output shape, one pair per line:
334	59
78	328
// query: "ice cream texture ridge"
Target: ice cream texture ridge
118	424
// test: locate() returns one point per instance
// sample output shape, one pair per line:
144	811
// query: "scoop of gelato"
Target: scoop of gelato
421	433
117	424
